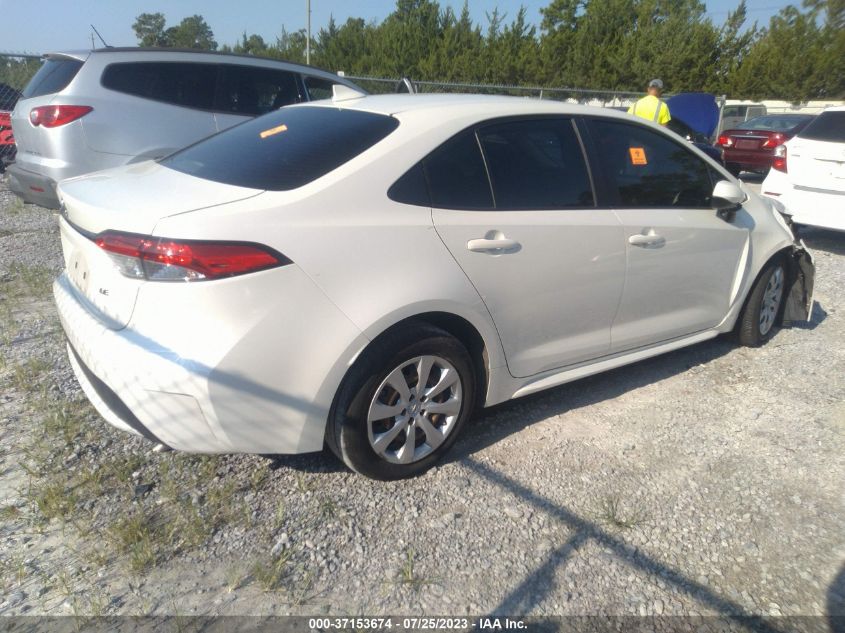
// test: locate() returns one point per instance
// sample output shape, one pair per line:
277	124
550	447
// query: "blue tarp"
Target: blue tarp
697	109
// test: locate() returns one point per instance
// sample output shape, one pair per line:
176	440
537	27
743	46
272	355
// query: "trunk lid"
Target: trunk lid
131	199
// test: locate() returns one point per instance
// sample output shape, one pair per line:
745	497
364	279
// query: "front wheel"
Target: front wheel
403	404
764	306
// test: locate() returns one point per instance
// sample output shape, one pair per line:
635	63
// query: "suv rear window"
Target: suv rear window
284	149
53	76
828	126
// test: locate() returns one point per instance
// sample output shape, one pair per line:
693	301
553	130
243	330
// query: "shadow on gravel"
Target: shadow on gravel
487	428
836	602
818	315
818	239
538	584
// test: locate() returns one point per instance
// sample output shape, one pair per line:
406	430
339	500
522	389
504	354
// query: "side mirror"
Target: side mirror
727	199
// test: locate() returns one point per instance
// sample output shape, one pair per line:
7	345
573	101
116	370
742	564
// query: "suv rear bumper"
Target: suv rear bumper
32	187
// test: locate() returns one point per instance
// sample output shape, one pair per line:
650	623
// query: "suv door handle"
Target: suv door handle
484	245
647	241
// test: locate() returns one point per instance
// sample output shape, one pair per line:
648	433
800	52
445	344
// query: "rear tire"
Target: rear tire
764	306
384	424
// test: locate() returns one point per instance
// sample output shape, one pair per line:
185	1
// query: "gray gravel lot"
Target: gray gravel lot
706	481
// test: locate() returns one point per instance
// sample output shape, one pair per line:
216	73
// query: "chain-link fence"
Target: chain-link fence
15	73
604	98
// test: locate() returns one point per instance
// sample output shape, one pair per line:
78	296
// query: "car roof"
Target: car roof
463	104
82	55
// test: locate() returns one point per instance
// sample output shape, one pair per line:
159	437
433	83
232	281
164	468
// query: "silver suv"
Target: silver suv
90	110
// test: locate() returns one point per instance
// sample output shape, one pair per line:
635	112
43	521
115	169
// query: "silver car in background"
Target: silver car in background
84	111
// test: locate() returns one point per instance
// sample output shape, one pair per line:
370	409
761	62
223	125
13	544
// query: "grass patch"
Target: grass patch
25	281
27	377
612	513
135	537
55	501
270	575
408	574
9	513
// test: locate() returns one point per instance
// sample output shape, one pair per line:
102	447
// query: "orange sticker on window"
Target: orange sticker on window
637	156
274	130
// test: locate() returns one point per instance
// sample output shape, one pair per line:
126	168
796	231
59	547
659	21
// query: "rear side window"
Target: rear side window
252	91
828	126
536	164
284	149
185	84
648	169
53	76
318	88
457	178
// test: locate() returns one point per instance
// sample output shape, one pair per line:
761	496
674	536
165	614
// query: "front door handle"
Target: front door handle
647	241
484	245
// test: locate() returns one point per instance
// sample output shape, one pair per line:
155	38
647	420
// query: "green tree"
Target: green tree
192	32
149	29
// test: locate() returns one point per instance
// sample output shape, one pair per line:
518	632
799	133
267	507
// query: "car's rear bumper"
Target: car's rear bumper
825	209
32	187
191	380
751	161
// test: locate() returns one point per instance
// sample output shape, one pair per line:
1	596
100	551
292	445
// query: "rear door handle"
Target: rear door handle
484	245
647	241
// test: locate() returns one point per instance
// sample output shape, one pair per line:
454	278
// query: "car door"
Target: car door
682	257
521	221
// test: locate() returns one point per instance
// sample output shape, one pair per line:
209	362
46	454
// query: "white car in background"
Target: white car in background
363	272
808	172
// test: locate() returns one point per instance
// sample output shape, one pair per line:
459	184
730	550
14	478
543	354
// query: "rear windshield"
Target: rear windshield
828	126
774	123
53	76
284	149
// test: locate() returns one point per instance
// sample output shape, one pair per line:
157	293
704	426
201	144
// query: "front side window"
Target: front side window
536	164
828	126
252	91
284	149
648	169
184	84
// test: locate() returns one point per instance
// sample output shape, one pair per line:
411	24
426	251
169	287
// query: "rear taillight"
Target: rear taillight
773	141
56	115
724	141
779	160
163	259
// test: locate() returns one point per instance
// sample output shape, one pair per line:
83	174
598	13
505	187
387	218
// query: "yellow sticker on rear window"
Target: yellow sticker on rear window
637	156
274	130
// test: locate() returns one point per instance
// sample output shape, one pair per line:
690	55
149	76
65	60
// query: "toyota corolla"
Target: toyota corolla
363	272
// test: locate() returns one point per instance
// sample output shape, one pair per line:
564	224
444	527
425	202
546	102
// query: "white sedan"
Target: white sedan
362	273
808	172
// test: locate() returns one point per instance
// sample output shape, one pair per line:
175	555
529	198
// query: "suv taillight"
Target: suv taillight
779	160
54	116
163	259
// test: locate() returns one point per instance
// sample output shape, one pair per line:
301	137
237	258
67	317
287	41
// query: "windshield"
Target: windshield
284	149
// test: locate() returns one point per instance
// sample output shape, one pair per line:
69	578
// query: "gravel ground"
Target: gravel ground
706	481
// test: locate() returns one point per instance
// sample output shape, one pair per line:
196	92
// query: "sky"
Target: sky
39	26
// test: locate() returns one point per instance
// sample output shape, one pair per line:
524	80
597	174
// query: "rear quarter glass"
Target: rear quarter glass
284	149
53	76
828	126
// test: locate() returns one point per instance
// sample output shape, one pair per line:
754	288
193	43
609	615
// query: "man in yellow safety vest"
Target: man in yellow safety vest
651	107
